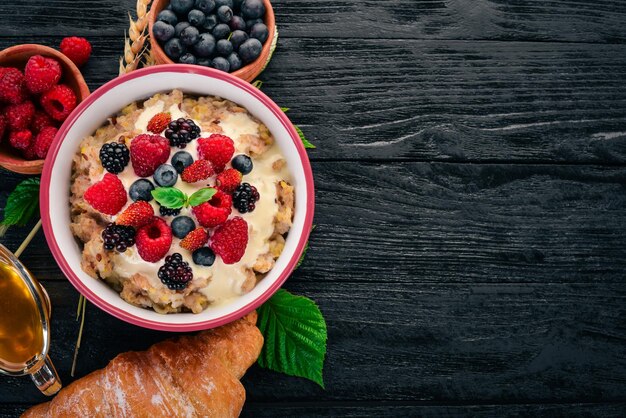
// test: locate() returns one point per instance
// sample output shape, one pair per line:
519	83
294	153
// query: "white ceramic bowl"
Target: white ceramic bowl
109	100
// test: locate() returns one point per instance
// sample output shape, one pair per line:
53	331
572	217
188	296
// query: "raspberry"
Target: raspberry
228	180
230	240
76	49
147	152
118	237
137	214
195	239
19	116
214	212
175	273
218	149
20	139
154	240
12	89
107	196
29	153
3	126
40	121
114	157
199	170
41	74
159	122
181	132
58	102
43	141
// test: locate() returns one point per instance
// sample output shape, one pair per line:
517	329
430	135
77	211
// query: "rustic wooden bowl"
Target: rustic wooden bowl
248	72
17	56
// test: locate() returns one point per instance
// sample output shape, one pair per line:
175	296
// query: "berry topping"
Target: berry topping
118	237
218	149
165	175
242	163
77	49
182	131
12	89
114	157
107	196
154	240
141	190
182	225
245	197
19	116
175	273
199	170
228	180
59	102
159	122
195	239
21	140
41	74
204	257
214	212
40	121
137	214
229	240
168	212
43	141
147	152
181	160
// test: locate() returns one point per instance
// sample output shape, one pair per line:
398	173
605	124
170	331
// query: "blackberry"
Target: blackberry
180	132
168	212
245	198
175	273
118	237
114	157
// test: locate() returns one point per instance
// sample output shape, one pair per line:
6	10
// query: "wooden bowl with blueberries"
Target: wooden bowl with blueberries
234	36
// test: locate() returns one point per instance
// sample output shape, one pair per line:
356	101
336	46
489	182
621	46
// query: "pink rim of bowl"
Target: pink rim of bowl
125	314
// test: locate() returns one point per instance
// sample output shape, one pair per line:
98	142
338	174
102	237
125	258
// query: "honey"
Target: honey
21	332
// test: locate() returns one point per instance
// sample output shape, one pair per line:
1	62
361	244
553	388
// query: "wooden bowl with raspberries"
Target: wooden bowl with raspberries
39	87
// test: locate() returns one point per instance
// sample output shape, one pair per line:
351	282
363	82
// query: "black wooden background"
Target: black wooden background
470	251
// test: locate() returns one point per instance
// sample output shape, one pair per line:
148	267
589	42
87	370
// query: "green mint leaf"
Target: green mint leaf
295	336
258	84
170	197
284	109
201	196
22	203
306	143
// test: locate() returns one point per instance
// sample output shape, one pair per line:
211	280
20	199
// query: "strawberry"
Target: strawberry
195	239
43	141
230	240
41	73
154	240
228	180
218	149
19	116
107	196
147	152
137	214
199	170
214	212
159	122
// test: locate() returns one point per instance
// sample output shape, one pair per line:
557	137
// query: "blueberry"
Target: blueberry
187	58
228	3
210	22
163	31
205	46
242	163
221	63
252	9
174	49
189	36
224	47
196	18
260	32
237	23
182	159
252	22
141	190
182	226
205	6
182	7
180	26
224	14
238	38
237	4
250	50
205	62
203	257
168	16
234	61
165	175
221	31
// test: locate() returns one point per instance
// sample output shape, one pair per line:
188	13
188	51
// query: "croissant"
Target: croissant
190	376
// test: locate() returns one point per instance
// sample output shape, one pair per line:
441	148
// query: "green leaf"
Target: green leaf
306	247
295	336
306	143
22	203
170	197
258	84
284	109
201	196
